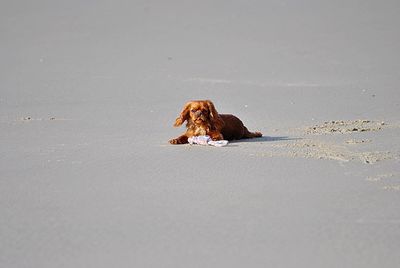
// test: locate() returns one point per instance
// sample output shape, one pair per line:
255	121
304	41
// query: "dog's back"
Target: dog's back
234	128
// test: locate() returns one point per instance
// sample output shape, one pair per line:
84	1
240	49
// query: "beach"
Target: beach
89	93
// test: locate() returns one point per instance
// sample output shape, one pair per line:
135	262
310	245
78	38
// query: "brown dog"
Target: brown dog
203	119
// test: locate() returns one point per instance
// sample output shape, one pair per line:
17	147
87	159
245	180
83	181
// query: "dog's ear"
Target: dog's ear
214	116
184	115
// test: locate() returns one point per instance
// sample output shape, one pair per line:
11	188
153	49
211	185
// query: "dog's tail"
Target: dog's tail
249	135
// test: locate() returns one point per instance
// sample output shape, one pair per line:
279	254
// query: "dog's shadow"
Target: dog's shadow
266	139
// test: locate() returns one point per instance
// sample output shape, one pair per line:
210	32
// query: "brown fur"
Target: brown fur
203	119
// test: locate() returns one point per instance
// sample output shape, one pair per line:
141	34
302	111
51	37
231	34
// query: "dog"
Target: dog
203	119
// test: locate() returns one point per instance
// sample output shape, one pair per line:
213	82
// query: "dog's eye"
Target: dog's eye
193	110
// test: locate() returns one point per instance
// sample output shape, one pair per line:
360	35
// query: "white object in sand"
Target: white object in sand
206	140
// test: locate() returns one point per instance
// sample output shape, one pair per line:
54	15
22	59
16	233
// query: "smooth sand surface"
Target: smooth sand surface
89	91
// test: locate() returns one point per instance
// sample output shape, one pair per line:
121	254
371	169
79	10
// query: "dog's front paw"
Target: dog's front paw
174	141
180	140
216	136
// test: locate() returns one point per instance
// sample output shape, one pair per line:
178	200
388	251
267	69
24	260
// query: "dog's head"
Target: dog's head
200	113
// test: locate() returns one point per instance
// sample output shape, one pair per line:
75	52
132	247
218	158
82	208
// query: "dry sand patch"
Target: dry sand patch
317	142
341	126
313	148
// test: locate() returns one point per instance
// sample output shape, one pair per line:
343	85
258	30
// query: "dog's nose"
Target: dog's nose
198	113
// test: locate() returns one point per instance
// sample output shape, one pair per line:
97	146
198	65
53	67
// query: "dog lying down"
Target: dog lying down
204	120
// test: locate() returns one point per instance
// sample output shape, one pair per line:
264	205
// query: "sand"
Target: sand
88	95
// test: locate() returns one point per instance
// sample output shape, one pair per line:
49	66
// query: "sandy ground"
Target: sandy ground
89	91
